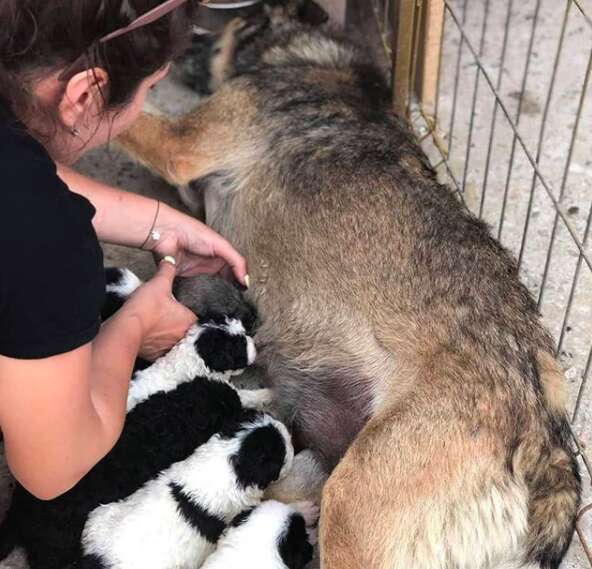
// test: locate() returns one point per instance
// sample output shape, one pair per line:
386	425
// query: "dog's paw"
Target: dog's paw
258	399
119	285
310	511
304	482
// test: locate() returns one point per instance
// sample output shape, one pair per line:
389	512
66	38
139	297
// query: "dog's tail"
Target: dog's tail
555	501
552	476
8	538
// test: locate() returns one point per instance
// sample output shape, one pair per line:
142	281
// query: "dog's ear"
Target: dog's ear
311	13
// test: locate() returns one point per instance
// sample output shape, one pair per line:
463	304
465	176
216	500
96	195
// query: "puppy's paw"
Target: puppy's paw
258	399
304	482
310	511
120	284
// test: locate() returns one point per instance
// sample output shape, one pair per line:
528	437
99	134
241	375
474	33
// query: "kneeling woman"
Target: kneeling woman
74	73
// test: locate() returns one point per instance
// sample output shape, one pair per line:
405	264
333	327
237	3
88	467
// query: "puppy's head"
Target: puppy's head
225	348
282	12
265	454
287	526
215	301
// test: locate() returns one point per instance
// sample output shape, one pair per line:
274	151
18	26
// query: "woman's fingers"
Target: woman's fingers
167	271
235	260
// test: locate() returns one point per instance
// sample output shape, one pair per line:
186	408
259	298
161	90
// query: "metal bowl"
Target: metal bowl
214	15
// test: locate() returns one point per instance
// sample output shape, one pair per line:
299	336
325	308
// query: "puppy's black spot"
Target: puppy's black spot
113	275
141	364
294	547
89	562
211	527
241	518
260	458
221	351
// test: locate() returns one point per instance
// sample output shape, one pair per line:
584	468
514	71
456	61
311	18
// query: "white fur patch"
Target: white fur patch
254	543
256	398
251	351
126	285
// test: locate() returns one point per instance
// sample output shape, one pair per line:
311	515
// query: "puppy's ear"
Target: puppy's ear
261	457
223	352
311	13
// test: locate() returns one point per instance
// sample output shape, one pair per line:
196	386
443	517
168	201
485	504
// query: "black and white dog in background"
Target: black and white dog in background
195	453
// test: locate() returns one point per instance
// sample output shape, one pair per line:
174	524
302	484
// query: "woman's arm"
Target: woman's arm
61	415
125	218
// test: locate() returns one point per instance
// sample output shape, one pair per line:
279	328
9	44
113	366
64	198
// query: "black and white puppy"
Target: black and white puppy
182	406
175	520
272	536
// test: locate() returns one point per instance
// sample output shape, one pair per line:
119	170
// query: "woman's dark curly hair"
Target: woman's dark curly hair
39	37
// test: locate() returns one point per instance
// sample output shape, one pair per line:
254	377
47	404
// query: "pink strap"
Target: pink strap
147	18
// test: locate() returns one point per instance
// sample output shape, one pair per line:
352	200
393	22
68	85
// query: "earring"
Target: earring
74	131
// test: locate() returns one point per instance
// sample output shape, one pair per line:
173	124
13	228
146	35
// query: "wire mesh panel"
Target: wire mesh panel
499	95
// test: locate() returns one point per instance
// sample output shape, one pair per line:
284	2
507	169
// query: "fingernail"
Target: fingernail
247	281
169	259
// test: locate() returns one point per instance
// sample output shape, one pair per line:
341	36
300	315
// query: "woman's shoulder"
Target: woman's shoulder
32	192
20	151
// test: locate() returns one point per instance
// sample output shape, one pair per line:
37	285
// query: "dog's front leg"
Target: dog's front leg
152	141
174	149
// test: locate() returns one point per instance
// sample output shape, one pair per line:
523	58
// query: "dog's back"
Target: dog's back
390	317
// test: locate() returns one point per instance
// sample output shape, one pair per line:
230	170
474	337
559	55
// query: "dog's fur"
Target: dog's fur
272	536
176	520
174	406
402	344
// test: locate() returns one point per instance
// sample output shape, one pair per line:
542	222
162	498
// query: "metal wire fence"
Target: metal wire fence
498	94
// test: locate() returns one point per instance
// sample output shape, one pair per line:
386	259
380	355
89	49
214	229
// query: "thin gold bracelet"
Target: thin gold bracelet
151	232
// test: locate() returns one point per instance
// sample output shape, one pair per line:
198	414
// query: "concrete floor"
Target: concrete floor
115	169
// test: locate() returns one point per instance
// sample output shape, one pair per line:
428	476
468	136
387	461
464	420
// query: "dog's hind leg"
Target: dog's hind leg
409	496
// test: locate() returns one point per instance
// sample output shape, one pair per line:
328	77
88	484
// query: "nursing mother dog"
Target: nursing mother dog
402	345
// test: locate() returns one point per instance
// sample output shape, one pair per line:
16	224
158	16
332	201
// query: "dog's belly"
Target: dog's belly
325	410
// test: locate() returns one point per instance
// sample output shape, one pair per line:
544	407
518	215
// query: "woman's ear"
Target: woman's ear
83	97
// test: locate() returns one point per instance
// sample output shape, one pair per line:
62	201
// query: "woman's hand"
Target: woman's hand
164	321
125	218
197	248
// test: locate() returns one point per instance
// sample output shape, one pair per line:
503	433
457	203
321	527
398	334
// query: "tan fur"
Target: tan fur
553	381
386	320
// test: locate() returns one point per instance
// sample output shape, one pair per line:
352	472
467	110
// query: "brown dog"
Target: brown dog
403	347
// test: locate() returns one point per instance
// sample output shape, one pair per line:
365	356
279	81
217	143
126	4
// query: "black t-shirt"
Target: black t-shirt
52	283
